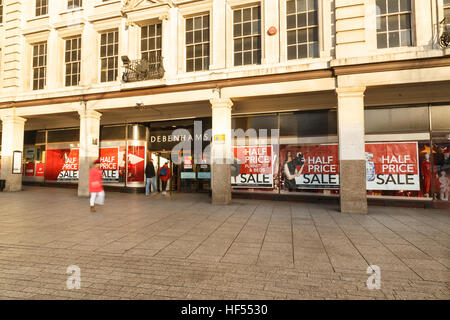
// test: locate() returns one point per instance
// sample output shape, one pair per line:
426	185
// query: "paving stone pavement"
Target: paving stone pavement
182	247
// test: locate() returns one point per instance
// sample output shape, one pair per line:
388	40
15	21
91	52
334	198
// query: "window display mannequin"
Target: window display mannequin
290	169
425	169
445	186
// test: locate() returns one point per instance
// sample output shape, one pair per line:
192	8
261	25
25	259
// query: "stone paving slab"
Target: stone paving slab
182	247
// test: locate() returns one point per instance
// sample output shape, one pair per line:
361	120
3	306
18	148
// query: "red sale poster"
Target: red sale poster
136	159
392	166
62	165
252	167
29	169
109	163
40	169
310	167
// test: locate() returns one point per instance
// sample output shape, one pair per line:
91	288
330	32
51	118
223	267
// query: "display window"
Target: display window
62	162
310	168
112	162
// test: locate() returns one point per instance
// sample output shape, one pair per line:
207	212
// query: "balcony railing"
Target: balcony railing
142	69
444	39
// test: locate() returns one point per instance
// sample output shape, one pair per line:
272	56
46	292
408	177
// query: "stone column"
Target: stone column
218	35
221	156
351	149
12	140
89	147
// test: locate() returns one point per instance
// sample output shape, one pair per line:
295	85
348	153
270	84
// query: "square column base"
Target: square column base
353	196
221	184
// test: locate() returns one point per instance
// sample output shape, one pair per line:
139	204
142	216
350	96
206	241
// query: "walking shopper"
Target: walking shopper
164	175
150	177
95	186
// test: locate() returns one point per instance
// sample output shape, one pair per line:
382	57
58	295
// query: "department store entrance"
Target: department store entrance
189	172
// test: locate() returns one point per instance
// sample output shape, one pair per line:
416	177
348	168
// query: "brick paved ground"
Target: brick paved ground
184	248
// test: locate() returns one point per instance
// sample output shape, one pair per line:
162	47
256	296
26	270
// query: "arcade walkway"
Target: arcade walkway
185	248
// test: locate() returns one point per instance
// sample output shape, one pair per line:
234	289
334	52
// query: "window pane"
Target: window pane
291	37
393	39
406	38
405	5
237	16
381	6
290	6
237	59
393	23
392	6
292	52
405	21
381	40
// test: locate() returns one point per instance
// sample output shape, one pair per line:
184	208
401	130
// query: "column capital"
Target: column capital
221	103
350	91
89	114
12	118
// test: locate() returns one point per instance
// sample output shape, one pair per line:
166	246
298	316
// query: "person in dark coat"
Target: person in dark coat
150	175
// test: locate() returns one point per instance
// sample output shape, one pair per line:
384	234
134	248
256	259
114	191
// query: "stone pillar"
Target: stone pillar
89	147
218	35
12	140
221	156
351	149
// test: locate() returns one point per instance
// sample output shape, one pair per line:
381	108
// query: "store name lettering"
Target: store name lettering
179	138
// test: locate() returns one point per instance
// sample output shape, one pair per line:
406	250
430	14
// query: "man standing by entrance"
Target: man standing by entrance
150	177
164	175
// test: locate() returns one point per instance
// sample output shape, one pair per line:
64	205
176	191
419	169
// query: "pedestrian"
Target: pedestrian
150	175
95	186
164	175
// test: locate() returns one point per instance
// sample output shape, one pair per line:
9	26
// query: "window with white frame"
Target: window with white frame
302	29
447	12
1	11
39	65
247	35
109	55
72	4
41	7
151	43
197	43
393	23
73	61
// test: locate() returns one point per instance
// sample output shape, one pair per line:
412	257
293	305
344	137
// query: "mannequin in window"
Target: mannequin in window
425	169
445	185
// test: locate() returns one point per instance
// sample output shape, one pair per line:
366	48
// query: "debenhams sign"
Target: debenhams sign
166	140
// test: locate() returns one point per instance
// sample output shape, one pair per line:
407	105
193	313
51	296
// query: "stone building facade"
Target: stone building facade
347	83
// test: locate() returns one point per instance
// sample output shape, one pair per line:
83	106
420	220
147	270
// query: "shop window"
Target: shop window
40	137
39	65
396	120
136	132
308	123
112	133
29	137
68	135
197	43
109	55
247	35
393	23
440	118
73	61
441	168
302	29
41	7
266	122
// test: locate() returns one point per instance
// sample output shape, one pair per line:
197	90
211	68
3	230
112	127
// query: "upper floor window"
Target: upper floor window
447	12
41	7
1	11
393	23
39	65
247	35
109	55
73	61
72	4
197	43
302	29
151	43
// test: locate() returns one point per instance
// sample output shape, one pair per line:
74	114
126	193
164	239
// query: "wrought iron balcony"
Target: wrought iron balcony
142	69
444	39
